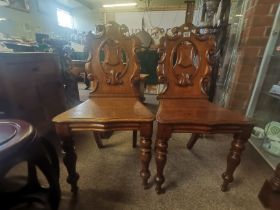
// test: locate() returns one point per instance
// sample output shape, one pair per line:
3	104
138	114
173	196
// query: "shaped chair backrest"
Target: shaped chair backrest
186	62
113	67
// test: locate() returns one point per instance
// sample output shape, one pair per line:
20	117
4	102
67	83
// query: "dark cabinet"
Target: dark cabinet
31	88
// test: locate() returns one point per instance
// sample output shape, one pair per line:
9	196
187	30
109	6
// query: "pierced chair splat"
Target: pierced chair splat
113	103
185	68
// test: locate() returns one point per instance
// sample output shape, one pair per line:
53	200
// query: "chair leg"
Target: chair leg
106	134
163	135
192	140
70	156
134	143
233	159
146	131
98	140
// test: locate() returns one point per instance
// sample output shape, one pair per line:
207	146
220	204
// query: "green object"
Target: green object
43	48
273	129
79	56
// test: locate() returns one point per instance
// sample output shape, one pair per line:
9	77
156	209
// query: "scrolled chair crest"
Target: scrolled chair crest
116	61
186	59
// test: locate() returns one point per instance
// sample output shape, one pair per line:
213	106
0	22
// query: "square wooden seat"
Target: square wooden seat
106	110
193	111
185	67
113	103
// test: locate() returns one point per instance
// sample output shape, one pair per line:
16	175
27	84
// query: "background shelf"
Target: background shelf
270	159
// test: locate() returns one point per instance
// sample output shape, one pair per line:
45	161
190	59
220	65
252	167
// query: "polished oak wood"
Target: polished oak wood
113	103
185	67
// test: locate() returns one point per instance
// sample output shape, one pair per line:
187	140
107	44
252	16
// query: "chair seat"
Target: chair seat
196	111
105	110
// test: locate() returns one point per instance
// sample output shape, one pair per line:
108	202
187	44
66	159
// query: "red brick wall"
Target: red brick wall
258	20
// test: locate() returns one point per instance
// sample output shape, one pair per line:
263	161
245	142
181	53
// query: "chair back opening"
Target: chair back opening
186	63
113	67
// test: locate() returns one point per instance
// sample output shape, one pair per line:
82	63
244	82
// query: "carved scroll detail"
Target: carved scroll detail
187	57
181	32
161	74
206	79
94	79
205	85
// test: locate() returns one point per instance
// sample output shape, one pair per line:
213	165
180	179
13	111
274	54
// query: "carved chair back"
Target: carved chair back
113	67
186	63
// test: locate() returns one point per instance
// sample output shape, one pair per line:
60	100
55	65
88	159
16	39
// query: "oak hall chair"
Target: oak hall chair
185	67
113	102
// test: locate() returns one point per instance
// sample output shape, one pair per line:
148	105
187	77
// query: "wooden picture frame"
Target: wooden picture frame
20	5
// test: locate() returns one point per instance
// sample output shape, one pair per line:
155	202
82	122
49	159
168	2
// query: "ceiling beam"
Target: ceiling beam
85	3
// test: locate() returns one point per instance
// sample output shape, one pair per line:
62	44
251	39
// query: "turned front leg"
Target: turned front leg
146	131
163	134
234	158
69	155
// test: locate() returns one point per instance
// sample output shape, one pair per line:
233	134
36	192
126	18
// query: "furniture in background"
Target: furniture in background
19	142
185	67
77	67
142	85
113	103
148	60
20	47
31	88
270	192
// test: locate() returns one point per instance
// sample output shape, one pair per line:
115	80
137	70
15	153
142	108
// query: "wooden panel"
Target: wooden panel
185	64
113	67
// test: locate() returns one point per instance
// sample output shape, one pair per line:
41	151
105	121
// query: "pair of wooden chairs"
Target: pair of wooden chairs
113	104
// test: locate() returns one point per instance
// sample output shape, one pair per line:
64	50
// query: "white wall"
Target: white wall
162	19
42	18
86	19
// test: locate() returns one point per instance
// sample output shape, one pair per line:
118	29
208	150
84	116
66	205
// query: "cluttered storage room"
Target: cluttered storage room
139	104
